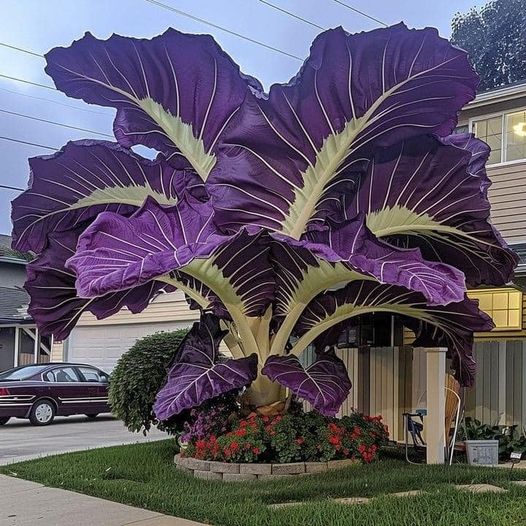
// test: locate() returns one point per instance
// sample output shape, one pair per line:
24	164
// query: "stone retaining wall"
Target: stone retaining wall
231	472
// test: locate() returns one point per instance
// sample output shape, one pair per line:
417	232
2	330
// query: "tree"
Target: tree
280	216
494	37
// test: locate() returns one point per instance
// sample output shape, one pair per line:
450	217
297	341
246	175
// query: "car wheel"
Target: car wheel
92	415
4	420
42	413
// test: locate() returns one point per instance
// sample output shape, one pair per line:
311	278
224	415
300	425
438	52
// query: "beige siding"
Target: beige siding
507	197
164	308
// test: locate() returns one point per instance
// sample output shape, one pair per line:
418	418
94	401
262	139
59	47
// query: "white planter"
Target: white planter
482	452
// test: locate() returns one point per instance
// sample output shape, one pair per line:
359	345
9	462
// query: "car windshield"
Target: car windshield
21	373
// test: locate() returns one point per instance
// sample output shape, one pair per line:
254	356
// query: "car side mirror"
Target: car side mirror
104	380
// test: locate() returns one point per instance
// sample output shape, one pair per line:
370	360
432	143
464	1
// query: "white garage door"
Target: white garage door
102	346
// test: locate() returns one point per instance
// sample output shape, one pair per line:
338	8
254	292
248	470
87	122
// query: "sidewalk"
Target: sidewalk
24	503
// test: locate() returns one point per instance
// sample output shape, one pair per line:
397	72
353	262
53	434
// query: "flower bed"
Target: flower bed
218	443
236	471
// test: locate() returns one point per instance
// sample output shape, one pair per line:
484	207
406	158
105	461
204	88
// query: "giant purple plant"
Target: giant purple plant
281	216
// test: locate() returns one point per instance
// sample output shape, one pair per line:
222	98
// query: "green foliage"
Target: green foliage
510	439
292	437
138	376
494	38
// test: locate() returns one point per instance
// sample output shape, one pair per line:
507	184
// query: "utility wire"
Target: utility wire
6	187
54	123
28	143
224	29
51	101
293	15
360	12
16	79
3	44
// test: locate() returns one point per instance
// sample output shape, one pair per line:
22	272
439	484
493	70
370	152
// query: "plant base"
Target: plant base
238	472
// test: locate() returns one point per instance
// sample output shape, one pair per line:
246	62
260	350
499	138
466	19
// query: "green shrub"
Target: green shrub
138	376
292	437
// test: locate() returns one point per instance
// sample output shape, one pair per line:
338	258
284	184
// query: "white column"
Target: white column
436	405
17	344
36	347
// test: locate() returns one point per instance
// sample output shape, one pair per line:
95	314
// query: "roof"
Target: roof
13	306
5	245
508	92
9	254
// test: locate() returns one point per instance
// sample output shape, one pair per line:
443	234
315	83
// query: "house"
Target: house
20	342
388	377
498	117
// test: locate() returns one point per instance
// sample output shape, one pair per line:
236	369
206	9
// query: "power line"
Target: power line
24	81
21	49
16	79
6	187
51	101
54	123
293	15
28	143
360	12
224	29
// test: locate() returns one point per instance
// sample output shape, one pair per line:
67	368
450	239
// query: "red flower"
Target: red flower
300	441
334	440
256	450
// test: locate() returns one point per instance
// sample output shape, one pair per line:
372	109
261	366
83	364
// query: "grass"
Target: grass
143	475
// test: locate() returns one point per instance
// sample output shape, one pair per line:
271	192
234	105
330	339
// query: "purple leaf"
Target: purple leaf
55	306
117	253
83	179
353	243
174	93
281	161
198	374
325	383
451	325
433	195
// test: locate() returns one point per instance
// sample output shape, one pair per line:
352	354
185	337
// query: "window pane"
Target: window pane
62	374
516	136
91	375
490	131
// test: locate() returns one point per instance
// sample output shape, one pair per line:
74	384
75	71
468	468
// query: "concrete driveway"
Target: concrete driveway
19	440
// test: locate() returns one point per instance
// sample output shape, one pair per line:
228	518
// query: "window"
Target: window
505	135
490	131
92	375
516	136
22	373
61	374
503	305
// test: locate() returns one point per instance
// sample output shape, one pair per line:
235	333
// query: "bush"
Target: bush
292	437
138	376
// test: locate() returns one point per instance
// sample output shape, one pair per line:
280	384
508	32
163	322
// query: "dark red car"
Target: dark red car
40	392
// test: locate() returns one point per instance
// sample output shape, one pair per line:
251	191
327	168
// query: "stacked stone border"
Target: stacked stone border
232	472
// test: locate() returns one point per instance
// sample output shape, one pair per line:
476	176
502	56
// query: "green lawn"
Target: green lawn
143	475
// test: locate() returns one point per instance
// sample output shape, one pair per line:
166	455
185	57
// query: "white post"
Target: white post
36	347
436	405
17	344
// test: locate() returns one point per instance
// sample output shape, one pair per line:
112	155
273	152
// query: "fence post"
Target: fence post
436	405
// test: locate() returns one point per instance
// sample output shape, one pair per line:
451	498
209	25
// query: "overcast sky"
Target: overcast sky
39	25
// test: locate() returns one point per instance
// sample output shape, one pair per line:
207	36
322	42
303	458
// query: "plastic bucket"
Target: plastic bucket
482	452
